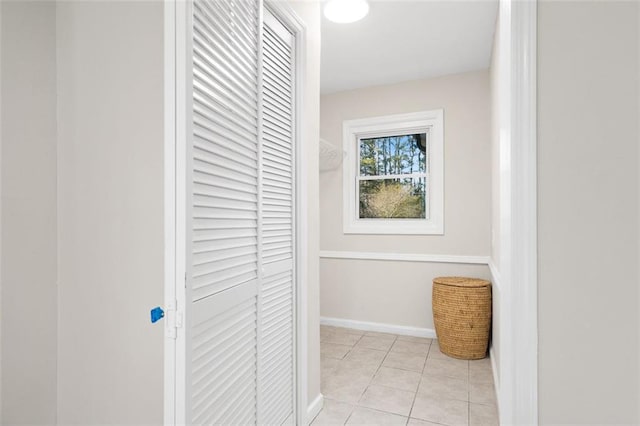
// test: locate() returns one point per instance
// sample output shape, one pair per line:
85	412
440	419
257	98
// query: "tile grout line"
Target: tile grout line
468	385
395	339
373	376
421	373
387	352
416	392
419	382
342	359
367	387
379	366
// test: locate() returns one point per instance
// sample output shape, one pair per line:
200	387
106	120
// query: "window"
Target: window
392	177
393	174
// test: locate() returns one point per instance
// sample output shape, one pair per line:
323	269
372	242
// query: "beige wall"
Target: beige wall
588	212
309	13
28	261
371	291
465	100
110	207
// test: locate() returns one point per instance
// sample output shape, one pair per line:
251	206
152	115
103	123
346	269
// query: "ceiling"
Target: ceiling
407	40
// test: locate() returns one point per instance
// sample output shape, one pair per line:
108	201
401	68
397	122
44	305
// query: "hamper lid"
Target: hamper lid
462	281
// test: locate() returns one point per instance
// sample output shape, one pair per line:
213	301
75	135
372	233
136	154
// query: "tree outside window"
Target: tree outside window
392	180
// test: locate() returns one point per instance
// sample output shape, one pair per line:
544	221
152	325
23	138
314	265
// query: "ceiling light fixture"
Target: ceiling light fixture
346	11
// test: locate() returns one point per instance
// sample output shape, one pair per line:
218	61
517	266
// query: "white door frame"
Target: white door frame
170	207
524	273
517	277
174	232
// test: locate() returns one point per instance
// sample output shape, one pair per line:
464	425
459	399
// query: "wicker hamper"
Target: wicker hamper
462	316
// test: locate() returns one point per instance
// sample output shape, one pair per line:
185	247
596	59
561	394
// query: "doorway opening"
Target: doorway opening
475	62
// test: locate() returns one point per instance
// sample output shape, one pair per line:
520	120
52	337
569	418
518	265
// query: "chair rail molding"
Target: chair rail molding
405	257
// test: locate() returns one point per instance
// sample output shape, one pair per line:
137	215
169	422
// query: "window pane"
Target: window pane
393	198
393	155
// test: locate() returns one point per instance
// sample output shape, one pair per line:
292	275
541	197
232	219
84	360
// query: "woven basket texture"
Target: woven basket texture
462	316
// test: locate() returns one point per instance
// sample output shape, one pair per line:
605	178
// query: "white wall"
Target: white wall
494	75
1	204
103	235
309	13
405	295
588	81
496	235
28	211
110	211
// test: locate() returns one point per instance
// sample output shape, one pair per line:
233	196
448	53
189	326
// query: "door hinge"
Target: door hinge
174	320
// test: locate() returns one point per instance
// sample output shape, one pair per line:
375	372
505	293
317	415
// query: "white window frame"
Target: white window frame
431	122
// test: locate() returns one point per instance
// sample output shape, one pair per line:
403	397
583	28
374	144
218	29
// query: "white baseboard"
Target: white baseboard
379	327
496	377
495	278
314	408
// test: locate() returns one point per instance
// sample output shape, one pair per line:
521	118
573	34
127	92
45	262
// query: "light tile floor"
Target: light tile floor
383	379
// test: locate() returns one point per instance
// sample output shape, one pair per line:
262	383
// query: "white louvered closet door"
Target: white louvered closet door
239	327
277	315
223	278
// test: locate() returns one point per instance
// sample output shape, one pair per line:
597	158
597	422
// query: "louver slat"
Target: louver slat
224	353
225	139
223	248
278	292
